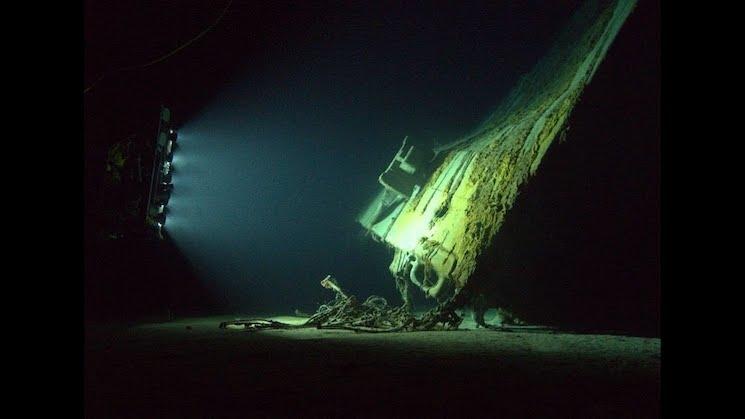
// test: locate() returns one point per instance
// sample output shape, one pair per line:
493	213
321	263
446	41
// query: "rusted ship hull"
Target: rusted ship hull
440	209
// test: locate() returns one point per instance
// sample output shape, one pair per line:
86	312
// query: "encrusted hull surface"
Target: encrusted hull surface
440	230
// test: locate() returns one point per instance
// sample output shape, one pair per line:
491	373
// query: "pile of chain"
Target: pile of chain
373	315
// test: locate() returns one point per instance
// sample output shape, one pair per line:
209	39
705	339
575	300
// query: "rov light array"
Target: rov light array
161	178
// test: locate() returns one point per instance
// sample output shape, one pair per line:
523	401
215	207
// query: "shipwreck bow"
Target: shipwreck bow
440	209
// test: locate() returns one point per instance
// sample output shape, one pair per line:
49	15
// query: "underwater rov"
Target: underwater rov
440	209
161	186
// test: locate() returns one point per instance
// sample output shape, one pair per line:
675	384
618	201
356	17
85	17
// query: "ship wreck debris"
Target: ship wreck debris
374	315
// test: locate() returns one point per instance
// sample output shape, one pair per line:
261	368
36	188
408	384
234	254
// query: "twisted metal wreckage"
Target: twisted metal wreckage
440	209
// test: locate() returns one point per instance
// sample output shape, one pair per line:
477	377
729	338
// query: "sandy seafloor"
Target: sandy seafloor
168	370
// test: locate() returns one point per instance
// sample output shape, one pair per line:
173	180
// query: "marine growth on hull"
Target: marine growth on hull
440	209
